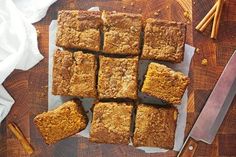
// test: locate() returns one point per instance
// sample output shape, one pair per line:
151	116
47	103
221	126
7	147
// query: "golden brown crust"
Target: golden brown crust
122	33
164	40
155	126
111	123
164	83
62	63
117	78
79	29
83	79
62	122
74	74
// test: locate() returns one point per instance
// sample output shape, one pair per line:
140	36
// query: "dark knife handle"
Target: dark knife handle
189	148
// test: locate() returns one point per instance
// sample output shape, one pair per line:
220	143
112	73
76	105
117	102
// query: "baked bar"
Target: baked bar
111	123
62	63
74	74
79	29
164	40
155	126
62	122
117	78
83	79
164	83
121	33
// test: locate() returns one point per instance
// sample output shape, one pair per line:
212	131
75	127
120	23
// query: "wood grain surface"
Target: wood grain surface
29	89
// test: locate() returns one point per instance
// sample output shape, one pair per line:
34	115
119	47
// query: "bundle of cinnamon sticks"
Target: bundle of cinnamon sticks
214	13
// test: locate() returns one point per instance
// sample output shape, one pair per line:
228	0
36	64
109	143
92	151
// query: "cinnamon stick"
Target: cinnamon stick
204	26
216	21
209	16
21	138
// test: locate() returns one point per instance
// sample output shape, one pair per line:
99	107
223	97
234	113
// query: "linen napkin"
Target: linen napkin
18	42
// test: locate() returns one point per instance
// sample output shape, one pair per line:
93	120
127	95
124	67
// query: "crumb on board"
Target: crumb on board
132	3
204	61
187	15
156	13
123	7
197	50
167	7
38	32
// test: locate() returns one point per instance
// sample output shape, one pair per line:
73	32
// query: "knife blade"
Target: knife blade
214	111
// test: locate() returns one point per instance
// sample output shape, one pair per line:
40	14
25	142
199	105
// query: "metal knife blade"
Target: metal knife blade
214	111
217	105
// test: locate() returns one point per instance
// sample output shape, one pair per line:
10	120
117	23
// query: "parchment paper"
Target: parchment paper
54	101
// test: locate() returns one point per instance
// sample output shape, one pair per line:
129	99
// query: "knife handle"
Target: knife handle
189	148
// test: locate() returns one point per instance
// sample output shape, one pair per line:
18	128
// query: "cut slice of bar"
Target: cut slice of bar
111	123
62	63
83	79
64	121
122	33
155	126
164	83
117	78
164	40
74	74
79	29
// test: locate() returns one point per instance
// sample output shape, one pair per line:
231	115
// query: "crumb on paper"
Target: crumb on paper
123	7
140	9
132	3
204	61
167	7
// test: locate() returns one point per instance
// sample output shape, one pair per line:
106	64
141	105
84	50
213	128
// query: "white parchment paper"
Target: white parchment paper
54	101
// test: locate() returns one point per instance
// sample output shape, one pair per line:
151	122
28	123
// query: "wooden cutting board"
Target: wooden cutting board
29	89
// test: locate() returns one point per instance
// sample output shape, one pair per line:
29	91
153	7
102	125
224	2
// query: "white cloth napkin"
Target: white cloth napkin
18	42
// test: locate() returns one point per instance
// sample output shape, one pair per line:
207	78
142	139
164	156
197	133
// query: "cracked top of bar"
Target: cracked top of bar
79	29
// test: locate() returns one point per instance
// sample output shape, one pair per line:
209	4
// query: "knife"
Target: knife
214	111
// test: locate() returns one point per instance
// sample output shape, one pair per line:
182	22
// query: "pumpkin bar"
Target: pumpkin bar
83	78
122	33
111	123
117	78
155	126
62	63
164	83
164	40
74	74
64	121
79	29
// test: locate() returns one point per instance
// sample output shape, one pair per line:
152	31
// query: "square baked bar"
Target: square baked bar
111	123
62	63
122	33
74	74
117	78
64	121
79	29
164	40
83	78
155	126
164	83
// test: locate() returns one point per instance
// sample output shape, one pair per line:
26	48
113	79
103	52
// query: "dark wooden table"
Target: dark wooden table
29	89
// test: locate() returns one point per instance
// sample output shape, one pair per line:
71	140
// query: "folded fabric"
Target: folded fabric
18	43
